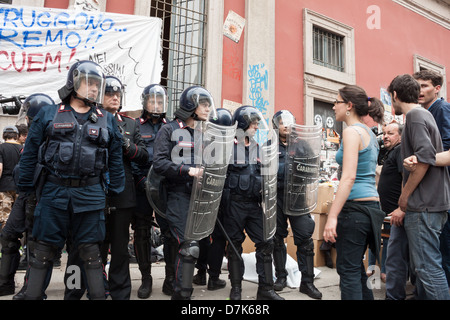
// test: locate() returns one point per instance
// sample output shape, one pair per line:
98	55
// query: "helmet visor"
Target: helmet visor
206	109
256	118
284	118
90	86
155	102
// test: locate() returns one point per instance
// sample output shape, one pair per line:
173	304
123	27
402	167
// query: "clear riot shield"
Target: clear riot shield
156	192
269	170
207	188
301	179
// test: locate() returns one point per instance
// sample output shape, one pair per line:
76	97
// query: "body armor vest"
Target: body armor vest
74	150
244	176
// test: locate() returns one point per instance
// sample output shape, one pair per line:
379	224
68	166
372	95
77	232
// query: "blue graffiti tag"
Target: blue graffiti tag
259	82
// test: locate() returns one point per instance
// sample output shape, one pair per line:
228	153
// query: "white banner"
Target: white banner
38	46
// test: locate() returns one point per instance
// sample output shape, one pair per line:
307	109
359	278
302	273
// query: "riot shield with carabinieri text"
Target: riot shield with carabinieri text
269	170
207	187
302	169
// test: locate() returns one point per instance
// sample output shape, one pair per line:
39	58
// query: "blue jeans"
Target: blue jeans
354	230
397	264
445	249
423	230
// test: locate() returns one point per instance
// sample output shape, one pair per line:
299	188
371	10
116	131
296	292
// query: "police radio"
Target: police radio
93	117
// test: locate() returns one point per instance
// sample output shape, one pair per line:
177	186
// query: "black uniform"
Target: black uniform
142	219
119	212
179	186
77	150
243	186
302	227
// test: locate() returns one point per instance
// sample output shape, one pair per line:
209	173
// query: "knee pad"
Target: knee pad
41	254
190	250
90	254
306	246
266	247
9	246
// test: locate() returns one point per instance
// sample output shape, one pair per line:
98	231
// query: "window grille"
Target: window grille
328	49
183	44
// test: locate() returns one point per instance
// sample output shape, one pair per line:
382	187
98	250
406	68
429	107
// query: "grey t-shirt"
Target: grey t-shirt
421	138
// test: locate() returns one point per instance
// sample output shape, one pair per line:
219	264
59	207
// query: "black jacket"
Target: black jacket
138	153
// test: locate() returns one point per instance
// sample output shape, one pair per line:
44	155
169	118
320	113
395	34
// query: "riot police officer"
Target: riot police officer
76	148
174	158
120	207
17	223
212	248
302	225
244	184
154	100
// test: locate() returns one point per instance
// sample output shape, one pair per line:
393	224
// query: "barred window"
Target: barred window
328	49
184	27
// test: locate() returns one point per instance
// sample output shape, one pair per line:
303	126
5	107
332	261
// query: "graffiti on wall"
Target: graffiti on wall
258	78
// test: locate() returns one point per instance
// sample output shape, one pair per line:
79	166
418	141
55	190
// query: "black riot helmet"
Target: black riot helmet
284	116
33	103
81	76
247	115
155	101
190	99
223	118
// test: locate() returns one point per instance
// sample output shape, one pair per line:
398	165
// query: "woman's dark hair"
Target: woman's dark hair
363	104
406	87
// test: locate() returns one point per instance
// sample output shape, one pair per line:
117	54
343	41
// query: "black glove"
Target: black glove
126	143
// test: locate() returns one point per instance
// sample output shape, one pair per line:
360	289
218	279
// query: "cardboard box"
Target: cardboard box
320	219
248	246
325	196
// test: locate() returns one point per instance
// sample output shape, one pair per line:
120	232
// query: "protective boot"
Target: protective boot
279	261
200	277
235	270
265	289
142	251
170	254
41	255
21	294
9	264
188	254
90	254
214	283
305	258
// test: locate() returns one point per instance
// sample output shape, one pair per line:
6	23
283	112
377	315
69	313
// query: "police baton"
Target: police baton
228	239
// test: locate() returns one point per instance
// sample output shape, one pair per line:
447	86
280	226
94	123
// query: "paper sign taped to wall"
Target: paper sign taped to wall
233	26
